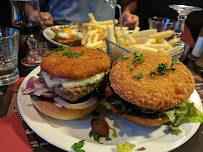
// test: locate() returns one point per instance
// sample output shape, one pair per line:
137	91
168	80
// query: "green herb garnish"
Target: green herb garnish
107	138
100	57
163	67
77	146
138	57
123	58
60	54
22	89
88	85
152	73
97	138
131	69
114	134
48	54
138	76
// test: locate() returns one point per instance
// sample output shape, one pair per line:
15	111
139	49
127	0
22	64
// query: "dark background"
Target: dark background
146	9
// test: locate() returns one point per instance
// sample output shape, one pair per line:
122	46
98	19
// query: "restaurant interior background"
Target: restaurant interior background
146	9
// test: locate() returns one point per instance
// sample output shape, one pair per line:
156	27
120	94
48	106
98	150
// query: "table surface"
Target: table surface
8	105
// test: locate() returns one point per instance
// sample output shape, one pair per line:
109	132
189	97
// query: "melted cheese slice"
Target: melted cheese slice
70	83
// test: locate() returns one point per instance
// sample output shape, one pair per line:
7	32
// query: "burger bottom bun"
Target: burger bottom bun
50	109
143	121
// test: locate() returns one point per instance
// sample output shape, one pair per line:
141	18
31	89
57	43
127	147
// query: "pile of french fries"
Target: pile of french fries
145	40
96	32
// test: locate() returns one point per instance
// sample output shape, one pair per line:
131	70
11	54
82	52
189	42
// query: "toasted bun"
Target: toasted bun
50	109
143	121
90	63
162	91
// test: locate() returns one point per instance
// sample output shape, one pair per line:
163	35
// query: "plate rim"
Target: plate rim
64	144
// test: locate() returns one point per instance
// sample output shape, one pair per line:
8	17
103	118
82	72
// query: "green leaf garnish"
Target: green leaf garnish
22	89
107	138
152	73
97	138
114	134
123	58
48	54
130	66
127	147
88	85
180	113
77	146
163	67
138	76
100	57
138	57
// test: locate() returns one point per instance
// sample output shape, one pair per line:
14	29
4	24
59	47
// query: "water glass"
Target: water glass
161	24
9	46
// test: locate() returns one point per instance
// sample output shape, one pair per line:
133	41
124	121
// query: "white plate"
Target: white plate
64	134
49	35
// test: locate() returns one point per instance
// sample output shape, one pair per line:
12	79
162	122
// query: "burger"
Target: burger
147	85
68	81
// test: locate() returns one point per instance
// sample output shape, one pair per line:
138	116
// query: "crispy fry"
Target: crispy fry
162	35
157	46
173	41
174	50
139	47
111	34
129	37
144	32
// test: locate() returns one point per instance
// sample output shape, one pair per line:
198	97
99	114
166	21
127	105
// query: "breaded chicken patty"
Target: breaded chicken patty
88	63
163	91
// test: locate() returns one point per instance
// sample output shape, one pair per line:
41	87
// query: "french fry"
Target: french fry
157	46
162	35
111	34
95	25
129	37
161	51
96	44
173	41
91	16
144	33
95	38
139	47
136	29
174	50
127	43
121	41
145	39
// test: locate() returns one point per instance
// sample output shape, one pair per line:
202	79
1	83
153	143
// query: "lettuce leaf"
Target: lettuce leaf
184	111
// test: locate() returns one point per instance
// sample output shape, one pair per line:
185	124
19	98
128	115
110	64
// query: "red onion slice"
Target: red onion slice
30	83
38	85
28	91
38	92
92	100
48	94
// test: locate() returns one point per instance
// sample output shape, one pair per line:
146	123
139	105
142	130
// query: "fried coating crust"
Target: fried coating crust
162	91
91	62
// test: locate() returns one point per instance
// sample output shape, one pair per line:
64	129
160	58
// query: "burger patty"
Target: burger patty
72	94
75	93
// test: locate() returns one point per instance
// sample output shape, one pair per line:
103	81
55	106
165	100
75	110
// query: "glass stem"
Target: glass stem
179	27
33	53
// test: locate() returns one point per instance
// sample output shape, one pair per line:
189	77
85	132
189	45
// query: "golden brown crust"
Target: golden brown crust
143	121
92	61
50	109
162	91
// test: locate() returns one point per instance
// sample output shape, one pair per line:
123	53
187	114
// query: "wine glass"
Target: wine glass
27	18
183	12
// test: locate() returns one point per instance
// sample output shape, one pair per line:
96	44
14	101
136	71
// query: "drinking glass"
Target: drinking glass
161	24
9	45
183	11
27	18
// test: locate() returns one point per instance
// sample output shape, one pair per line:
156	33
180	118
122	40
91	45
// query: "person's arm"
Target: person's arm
128	17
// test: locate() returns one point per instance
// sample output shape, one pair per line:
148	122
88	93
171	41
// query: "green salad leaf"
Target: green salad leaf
77	146
127	147
184	111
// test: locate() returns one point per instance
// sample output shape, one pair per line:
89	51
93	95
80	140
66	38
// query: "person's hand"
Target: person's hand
47	17
130	20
